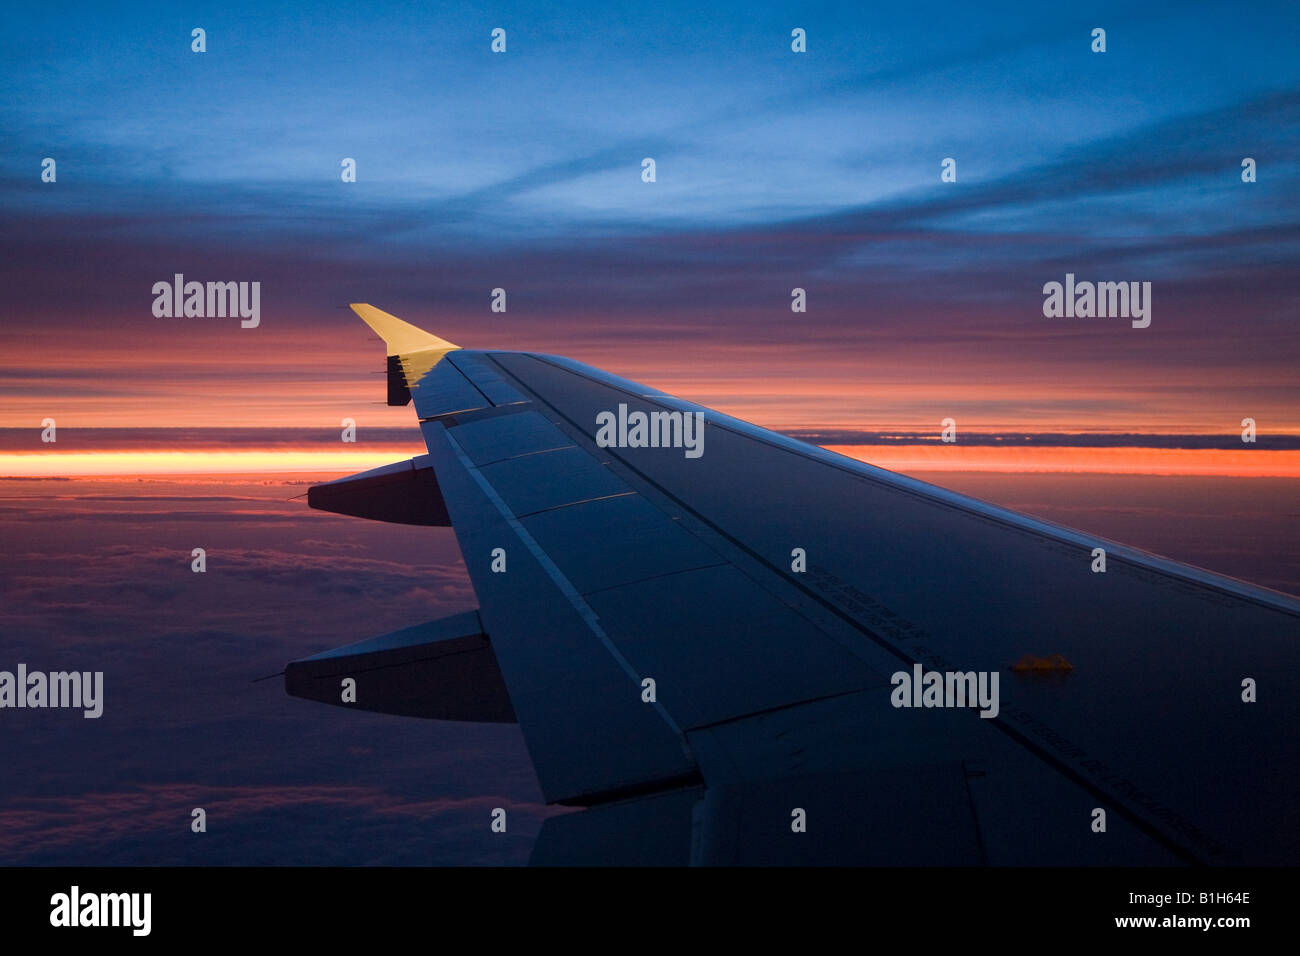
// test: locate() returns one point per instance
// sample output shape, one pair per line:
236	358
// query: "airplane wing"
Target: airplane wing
728	646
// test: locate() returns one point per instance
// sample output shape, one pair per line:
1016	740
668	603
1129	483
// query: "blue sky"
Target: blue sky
774	170
547	139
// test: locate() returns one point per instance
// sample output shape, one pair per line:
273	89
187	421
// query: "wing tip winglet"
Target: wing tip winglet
400	336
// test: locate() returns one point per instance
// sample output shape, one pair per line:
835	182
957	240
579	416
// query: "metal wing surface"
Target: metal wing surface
704	644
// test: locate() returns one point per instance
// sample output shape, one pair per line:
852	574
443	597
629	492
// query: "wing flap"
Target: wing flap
579	703
509	436
720	647
607	542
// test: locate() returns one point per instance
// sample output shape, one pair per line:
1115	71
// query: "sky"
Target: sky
775	170
522	170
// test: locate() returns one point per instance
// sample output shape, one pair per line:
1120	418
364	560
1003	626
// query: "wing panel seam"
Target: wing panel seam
566	587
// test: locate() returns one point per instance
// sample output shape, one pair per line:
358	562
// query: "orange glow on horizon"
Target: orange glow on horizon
124	463
900	458
1244	463
149	374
